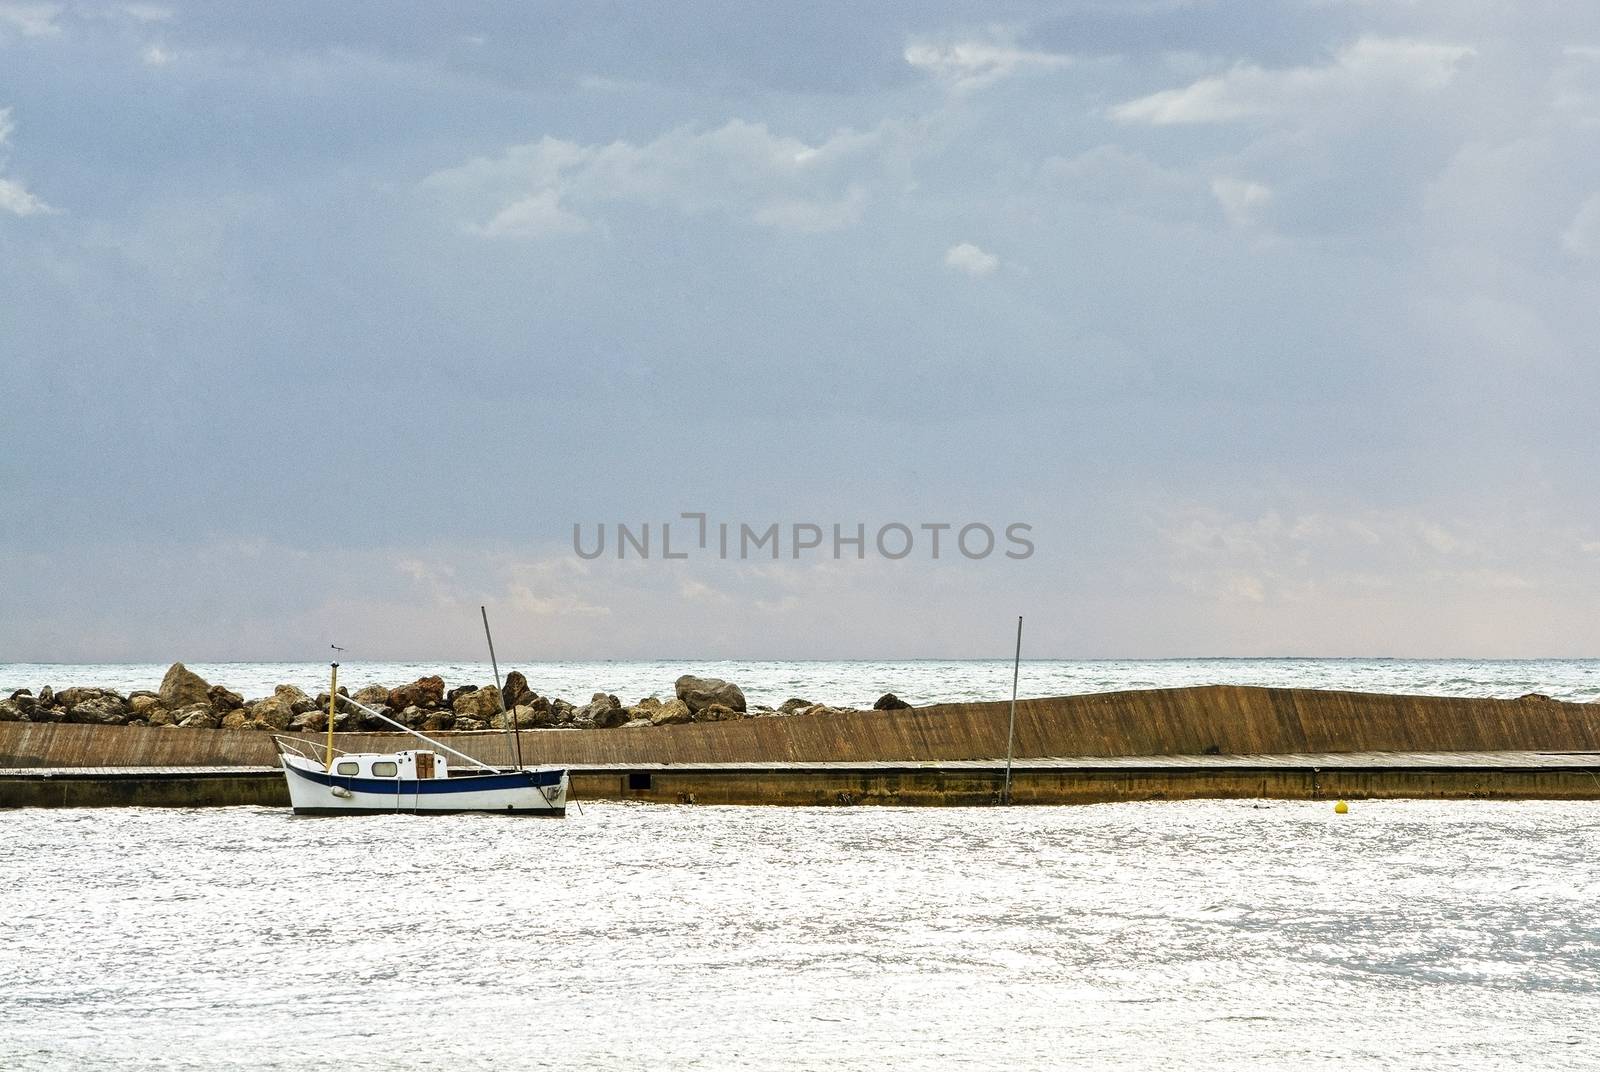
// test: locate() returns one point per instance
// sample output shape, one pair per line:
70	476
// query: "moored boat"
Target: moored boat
437	779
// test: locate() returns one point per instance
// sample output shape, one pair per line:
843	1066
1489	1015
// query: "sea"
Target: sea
859	683
1261	935
1175	935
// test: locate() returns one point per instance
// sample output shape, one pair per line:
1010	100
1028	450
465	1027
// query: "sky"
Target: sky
1274	322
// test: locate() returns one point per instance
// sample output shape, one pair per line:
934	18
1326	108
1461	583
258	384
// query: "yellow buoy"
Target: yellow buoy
1341	808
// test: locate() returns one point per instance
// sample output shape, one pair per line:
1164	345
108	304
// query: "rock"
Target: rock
793	704
425	692
297	700
414	717
224	699
464	722
70	698
439	720
46	696
159	716
636	723
890	702
561	711
515	691
717	713
11	711
236	720
478	704
701	692
196	716
672	713
645	709
106	710
526	716
372	696
312	721
182	687
141	703
275	711
602	712
21	693
367	722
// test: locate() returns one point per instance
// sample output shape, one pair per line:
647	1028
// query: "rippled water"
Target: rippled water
1406	935
860	683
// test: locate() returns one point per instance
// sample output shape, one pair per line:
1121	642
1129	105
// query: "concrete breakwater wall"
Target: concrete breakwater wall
1227	719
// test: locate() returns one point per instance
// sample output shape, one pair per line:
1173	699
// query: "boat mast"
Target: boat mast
333	699
510	724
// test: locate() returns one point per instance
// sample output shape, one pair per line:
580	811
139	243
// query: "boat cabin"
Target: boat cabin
419	765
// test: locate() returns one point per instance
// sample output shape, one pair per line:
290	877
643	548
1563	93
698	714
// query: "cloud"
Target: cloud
1240	199
31	20
1384	66
740	169
1582	236
14	197
971	65
155	56
968	258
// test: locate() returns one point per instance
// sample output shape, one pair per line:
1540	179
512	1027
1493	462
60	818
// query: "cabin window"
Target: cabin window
639	780
385	769
348	766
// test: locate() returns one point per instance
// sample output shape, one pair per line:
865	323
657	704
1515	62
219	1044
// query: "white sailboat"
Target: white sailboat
438	779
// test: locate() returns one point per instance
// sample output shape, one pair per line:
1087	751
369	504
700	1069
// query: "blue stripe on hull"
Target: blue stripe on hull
470	783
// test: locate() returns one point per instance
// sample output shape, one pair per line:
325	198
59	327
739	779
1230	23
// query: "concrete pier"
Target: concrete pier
1074	780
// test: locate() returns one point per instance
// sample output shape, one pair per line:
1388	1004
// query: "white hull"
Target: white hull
313	791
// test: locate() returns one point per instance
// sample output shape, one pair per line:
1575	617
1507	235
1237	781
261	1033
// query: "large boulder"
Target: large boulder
236	720
425	692
466	723
478	704
297	699
413	716
196	716
515	690
890	702
701	692
372	696
602	712
182	687
793	704
140	704
11	711
224	699
672	713
718	713
108	709
525	716
275	711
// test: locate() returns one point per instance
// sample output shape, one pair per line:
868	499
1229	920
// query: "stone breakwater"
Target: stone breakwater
187	700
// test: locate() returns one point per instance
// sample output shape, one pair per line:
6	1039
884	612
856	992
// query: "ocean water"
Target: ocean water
857	684
1202	934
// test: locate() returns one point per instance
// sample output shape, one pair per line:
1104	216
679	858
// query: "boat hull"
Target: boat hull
312	791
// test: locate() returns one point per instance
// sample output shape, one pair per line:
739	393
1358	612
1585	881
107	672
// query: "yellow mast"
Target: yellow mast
333	699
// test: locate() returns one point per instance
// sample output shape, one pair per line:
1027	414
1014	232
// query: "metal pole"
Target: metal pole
500	697
333	702
1011	728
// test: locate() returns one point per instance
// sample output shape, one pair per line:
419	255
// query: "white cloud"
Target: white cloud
1384	66
1582	236
31	20
14	197
968	258
740	169
155	56
970	65
1240	199
534	216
